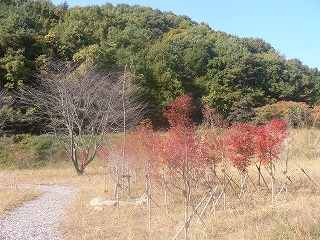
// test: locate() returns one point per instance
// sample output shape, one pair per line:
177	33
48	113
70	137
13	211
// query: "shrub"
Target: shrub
45	149
315	116
296	114
28	151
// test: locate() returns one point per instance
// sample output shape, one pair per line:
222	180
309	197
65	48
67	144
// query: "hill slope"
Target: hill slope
169	55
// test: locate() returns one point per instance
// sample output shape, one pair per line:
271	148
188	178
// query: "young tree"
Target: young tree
240	141
268	140
241	149
145	147
81	106
181	148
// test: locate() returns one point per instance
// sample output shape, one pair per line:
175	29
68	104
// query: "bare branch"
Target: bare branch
83	106
5	104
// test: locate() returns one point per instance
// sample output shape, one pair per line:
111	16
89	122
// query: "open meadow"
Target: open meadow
293	215
120	121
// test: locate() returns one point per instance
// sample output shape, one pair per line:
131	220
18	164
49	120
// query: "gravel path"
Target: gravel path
38	219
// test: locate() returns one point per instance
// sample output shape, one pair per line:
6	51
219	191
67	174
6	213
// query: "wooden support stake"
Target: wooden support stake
307	175
230	179
205	207
285	185
190	217
252	182
263	179
215	204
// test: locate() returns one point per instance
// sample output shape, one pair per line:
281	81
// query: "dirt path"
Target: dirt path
38	219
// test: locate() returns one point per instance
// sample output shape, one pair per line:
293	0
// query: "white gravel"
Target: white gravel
38	219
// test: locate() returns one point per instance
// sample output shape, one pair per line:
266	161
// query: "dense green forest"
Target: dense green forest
168	54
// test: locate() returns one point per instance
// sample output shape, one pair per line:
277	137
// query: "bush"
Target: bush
28	151
296	114
315	116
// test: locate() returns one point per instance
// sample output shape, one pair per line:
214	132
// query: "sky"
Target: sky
292	27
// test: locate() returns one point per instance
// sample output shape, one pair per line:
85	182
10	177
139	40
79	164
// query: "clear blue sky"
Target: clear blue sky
292	27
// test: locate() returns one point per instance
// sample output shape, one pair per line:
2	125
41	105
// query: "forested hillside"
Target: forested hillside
168	54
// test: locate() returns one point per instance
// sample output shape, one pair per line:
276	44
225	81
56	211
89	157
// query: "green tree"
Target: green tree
14	68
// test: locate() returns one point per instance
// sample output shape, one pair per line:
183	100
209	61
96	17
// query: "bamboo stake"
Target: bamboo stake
190	217
160	208
215	203
242	183
205	207
307	175
234	191
252	182
263	179
285	185
231	179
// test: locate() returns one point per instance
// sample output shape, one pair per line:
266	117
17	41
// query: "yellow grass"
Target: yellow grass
12	198
295	215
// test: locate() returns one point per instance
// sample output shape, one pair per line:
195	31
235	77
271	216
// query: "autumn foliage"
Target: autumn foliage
315	116
241	147
179	112
248	143
183	156
294	113
268	139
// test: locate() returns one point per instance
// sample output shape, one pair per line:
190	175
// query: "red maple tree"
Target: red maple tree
268	139
179	112
240	145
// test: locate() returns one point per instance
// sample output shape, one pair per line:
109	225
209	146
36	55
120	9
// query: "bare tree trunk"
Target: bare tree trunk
186	194
186	190
224	184
124	131
272	183
165	186
123	163
242	183
214	174
83	106
148	192
5	103
259	175
287	160
117	186
74	157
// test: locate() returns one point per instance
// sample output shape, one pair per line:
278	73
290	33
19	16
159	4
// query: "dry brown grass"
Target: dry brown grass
11	198
13	193
293	216
127	223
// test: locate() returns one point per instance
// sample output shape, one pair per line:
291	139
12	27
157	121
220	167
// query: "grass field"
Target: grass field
295	215
12	198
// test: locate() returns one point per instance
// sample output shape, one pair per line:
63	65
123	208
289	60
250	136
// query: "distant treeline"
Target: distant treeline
169	55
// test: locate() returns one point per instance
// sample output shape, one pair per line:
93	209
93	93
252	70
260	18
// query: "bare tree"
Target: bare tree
82	106
5	103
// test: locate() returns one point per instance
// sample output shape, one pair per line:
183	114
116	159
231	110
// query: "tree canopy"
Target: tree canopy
170	55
